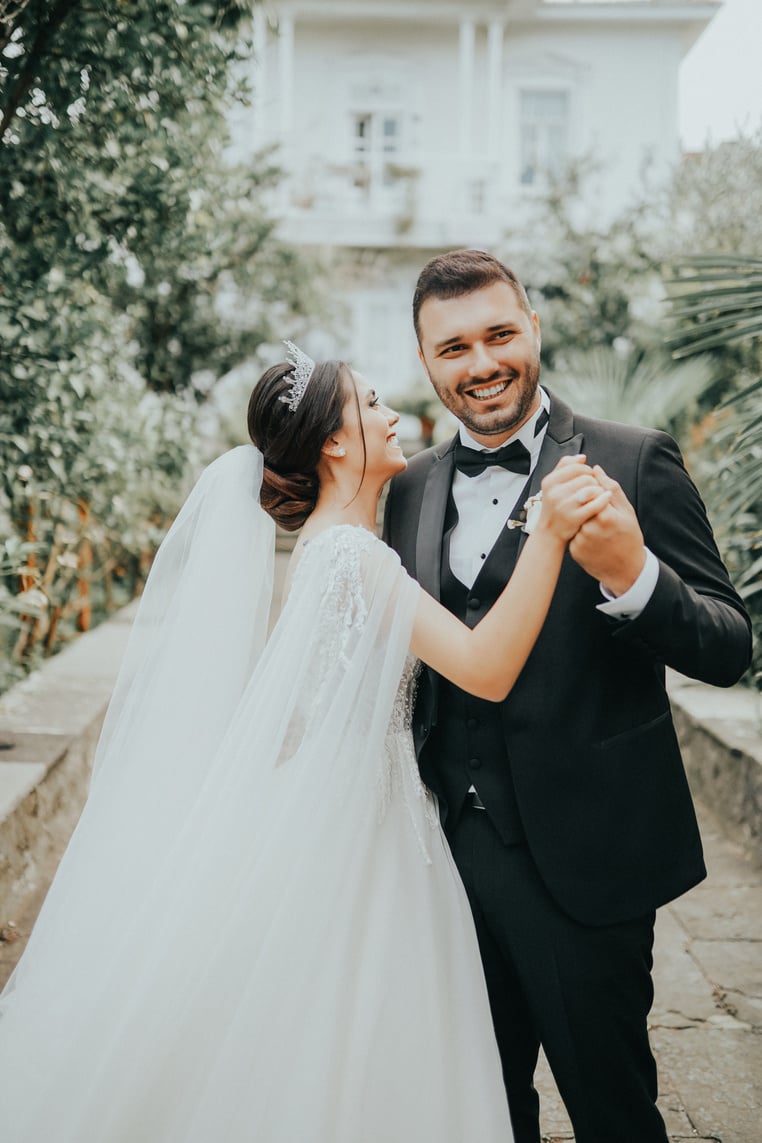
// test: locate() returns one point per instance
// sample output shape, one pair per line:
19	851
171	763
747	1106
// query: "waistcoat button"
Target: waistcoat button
474	763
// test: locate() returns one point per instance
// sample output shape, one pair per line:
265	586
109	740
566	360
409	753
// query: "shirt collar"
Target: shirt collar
525	434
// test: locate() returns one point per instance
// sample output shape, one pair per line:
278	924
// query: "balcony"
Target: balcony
416	200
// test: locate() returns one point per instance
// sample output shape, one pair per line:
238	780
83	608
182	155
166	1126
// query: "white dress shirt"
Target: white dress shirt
485	502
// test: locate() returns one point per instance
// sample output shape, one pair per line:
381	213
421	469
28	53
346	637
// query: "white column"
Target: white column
466	83
494	87
259	79
286	66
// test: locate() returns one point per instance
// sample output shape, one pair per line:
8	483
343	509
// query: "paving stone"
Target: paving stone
716	1072
726	912
727	856
17	779
554	1121
674	1113
683	996
735	970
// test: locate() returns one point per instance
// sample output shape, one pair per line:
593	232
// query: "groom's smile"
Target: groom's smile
486	393
482	354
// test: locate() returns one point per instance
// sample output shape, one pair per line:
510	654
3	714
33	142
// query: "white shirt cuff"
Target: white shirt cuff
630	604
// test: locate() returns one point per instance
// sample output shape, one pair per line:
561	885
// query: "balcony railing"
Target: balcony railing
394	199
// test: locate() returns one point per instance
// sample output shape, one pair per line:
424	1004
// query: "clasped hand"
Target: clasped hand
584	506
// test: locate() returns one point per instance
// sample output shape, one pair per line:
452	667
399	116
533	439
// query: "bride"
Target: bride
257	932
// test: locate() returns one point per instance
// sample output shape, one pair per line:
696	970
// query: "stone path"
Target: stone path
706	1023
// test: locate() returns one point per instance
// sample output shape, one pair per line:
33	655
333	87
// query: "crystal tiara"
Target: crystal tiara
303	367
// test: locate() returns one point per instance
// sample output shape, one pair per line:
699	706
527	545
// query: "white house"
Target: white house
411	126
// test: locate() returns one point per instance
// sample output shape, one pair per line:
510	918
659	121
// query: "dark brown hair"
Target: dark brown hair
291	442
461	272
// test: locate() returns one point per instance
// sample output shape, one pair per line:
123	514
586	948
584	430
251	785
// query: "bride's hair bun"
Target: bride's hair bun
288	499
291	442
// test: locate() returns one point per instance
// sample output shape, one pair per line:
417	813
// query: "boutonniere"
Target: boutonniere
529	514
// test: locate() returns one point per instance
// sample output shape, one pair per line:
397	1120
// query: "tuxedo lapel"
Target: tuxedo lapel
560	440
428	550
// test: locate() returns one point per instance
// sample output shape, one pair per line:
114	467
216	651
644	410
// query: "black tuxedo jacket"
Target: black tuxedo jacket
598	776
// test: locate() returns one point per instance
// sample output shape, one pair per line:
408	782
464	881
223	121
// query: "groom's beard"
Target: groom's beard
502	416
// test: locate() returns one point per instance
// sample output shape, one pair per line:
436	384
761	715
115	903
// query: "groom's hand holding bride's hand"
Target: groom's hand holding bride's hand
609	545
572	496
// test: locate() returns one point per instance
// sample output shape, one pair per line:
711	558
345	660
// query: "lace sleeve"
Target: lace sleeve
343	607
345	578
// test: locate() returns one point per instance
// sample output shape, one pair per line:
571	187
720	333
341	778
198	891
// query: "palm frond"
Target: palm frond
646	389
721	296
742	393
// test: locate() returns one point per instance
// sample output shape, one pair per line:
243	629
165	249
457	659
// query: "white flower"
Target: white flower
529	514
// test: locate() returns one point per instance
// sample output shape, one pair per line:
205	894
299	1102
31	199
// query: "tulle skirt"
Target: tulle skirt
311	975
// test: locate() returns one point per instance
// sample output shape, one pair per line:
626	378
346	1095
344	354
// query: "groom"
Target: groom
566	806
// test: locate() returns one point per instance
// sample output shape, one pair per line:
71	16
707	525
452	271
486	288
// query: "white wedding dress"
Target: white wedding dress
257	934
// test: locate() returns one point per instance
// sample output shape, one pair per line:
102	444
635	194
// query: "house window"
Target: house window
544	128
362	133
376	133
391	132
375	142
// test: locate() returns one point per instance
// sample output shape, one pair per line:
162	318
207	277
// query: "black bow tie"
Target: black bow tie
514	456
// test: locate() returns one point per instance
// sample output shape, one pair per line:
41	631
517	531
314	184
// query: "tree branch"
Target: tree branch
10	10
35	56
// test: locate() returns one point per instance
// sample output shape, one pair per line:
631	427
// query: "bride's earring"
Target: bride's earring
333	448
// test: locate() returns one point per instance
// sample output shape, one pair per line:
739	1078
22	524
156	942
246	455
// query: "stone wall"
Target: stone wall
49	727
720	733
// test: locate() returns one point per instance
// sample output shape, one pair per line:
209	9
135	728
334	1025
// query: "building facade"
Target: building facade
406	127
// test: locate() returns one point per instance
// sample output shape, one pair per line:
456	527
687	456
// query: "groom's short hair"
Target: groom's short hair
461	272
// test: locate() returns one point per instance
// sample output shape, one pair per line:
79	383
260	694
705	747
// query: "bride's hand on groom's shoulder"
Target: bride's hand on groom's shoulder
571	496
609	545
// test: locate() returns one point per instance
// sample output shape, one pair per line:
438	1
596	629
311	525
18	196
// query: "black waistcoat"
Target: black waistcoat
467	746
